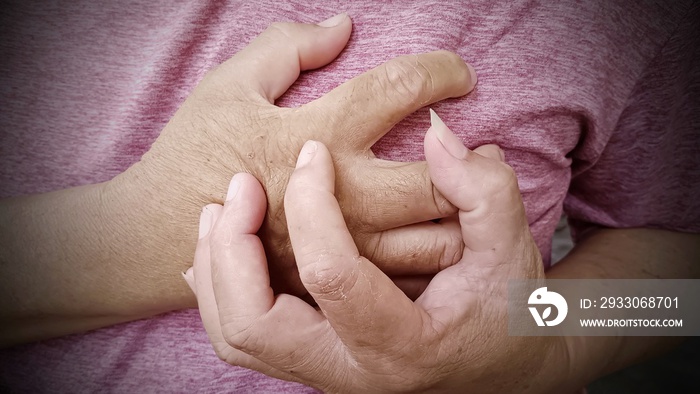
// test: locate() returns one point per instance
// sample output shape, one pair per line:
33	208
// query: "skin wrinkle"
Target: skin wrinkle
243	339
443	263
236	336
319	361
430	79
330	287
413	84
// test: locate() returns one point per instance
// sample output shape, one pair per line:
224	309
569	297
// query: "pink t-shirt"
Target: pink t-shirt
594	102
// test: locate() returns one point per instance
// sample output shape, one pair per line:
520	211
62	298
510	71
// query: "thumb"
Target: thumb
271	63
480	184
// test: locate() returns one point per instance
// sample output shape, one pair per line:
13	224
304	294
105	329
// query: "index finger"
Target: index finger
363	305
372	103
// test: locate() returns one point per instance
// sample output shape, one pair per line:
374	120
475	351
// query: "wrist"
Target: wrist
154	208
150	240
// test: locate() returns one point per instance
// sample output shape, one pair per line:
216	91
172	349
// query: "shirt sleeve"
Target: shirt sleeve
648	173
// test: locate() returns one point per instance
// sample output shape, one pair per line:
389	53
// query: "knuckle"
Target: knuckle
452	251
505	178
496	177
407	77
240	338
503	187
331	276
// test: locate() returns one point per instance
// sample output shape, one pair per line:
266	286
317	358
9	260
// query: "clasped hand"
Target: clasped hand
231	124
367	335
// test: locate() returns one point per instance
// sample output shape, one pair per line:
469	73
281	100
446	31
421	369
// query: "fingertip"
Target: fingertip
245	205
448	160
314	172
451	144
307	153
334	21
437	155
233	187
315	155
244	187
326	43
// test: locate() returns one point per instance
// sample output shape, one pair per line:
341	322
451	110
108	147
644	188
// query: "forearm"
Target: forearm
81	258
625	254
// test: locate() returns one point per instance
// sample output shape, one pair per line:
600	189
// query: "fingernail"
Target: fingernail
205	220
334	20
188	276
233	187
472	75
449	141
308	151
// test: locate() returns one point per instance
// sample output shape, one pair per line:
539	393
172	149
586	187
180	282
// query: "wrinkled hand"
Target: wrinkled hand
230	124
368	336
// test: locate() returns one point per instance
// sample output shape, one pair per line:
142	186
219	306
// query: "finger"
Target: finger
361	303
208	309
422	248
271	63
202	277
271	329
396	194
234	243
375	101
484	189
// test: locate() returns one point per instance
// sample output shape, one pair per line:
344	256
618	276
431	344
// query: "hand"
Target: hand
230	124
369	336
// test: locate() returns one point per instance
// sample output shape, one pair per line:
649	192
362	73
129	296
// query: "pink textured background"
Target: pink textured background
595	104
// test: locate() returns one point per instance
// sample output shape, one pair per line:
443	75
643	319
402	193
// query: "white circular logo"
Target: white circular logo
543	297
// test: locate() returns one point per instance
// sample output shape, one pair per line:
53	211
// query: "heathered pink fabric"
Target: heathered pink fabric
594	102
